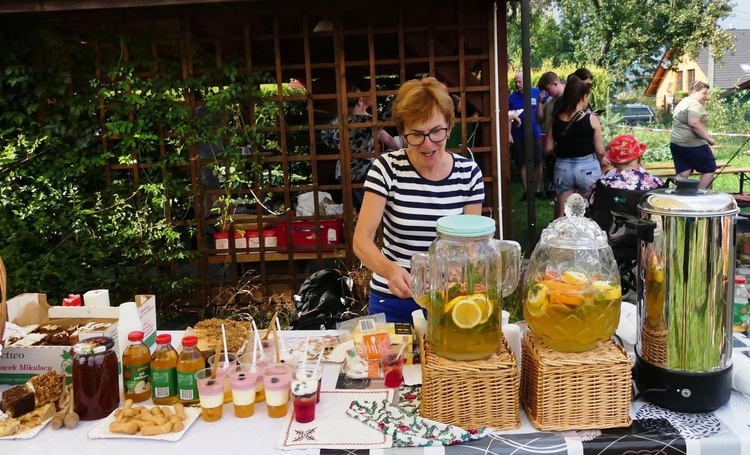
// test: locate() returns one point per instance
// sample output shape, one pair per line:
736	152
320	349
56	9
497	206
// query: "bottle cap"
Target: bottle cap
135	336
189	341
164	338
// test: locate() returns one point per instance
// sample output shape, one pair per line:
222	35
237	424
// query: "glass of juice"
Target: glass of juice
211	393
305	392
276	382
243	393
392	362
230	369
246	364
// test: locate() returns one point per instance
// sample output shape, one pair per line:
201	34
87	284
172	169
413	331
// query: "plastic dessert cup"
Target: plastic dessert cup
246	364
305	393
392	364
231	369
277	381
319	372
243	393
211	393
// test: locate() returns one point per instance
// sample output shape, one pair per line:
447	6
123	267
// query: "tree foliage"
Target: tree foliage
627	37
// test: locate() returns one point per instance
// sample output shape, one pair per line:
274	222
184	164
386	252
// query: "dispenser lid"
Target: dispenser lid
686	199
574	230
466	225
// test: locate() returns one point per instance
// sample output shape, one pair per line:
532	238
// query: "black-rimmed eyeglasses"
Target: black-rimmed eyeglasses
417	139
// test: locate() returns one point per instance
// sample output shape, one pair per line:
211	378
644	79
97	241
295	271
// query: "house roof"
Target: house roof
727	73
661	71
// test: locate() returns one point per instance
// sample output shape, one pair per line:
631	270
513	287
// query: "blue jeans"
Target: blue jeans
395	309
576	173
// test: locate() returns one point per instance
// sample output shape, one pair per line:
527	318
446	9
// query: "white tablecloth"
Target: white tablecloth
725	431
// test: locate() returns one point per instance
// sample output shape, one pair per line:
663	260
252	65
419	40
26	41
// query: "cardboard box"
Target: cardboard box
18	364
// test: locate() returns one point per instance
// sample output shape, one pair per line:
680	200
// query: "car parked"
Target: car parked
634	114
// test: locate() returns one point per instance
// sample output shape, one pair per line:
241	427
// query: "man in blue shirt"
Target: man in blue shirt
515	102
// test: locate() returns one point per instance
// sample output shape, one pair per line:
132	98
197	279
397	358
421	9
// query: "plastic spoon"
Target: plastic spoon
226	353
304	353
401	352
256	343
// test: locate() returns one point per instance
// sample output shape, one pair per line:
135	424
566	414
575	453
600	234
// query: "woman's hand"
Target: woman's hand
399	282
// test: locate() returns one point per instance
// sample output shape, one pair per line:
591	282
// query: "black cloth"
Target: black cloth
325	298
577	141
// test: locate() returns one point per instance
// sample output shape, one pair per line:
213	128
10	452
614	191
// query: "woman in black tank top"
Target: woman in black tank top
576	140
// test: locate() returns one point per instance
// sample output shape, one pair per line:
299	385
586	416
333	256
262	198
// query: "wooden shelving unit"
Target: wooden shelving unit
375	45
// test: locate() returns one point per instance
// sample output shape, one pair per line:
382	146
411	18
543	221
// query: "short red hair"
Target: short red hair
417	101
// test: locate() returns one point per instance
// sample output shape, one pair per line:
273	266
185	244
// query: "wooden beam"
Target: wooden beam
42	6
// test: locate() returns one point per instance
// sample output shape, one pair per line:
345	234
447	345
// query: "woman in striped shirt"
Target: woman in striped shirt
408	190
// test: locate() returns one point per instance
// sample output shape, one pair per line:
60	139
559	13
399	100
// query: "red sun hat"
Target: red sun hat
624	149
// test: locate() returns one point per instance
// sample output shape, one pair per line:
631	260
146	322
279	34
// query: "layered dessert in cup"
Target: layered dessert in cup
211	393
230	369
243	393
276	381
319	372
305	382
246	364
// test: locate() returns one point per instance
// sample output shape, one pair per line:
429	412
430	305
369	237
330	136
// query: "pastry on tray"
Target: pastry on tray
10	426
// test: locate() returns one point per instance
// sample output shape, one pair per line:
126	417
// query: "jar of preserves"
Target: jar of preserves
572	290
136	369
461	281
164	371
188	363
96	391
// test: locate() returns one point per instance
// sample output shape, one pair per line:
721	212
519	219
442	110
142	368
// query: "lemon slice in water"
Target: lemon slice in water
537	300
485	305
467	313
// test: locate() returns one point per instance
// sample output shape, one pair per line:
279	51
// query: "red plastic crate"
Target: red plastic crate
304	233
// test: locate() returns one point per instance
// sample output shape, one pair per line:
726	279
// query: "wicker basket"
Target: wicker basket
479	393
654	344
575	391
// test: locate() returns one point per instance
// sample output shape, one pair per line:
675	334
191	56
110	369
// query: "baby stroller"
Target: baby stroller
611	209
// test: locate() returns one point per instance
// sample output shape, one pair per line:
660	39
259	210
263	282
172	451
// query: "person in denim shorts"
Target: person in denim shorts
576	139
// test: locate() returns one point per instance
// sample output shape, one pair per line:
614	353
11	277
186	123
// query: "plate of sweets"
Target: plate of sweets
27	408
166	423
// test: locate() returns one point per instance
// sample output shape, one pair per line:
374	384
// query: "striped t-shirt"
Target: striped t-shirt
414	204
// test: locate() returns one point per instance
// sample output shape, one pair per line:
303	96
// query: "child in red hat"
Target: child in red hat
625	152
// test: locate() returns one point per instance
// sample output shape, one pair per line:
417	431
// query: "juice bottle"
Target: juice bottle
189	361
136	369
164	371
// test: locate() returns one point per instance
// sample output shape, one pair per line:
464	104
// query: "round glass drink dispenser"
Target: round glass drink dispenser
685	296
461	282
572	292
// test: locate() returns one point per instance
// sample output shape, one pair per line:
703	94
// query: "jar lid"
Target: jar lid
93	345
135	336
466	225
164	338
739	279
574	230
686	199
190	341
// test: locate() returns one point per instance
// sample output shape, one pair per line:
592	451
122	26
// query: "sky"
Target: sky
740	17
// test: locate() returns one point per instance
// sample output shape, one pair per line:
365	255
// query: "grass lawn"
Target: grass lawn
519	217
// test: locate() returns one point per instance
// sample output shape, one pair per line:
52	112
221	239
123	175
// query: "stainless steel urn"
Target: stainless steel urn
685	291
